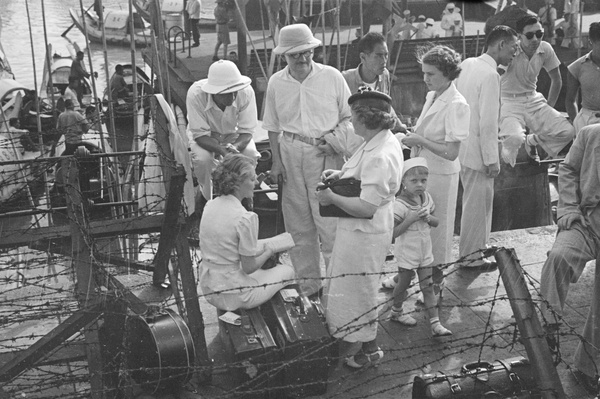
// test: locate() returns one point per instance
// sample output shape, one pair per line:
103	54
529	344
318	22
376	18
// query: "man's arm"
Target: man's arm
242	141
555	86
571	96
569	197
489	103
277	168
210	144
247	118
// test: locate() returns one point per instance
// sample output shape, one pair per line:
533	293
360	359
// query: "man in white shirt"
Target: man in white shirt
523	106
451	20
71	92
193	9
308	120
479	83
222	118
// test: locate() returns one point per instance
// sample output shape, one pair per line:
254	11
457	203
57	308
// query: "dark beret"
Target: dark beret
371	98
69	104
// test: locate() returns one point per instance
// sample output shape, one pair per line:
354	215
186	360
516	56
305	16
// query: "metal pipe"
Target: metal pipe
532	334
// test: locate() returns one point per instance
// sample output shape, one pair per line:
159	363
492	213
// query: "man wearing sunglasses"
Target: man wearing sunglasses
523	107
584	76
222	117
308	119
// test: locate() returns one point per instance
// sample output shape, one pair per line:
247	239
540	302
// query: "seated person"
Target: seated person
118	85
230	273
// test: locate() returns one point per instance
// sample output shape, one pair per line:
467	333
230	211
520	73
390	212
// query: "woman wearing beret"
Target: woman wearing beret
441	127
362	241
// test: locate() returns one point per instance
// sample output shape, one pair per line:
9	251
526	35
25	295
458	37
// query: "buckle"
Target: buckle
455	388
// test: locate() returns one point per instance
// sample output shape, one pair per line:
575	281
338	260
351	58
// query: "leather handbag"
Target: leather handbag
500	379
346	187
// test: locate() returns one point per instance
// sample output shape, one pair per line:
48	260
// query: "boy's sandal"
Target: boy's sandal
440	331
403	319
389	283
372	359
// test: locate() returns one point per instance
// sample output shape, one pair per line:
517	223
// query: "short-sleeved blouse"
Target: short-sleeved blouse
227	231
378	165
445	119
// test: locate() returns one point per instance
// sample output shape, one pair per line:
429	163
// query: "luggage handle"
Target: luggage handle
475	366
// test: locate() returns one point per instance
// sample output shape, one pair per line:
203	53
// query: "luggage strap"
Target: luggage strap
513	377
454	386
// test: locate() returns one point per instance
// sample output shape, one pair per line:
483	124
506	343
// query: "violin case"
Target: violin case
255	359
510	378
299	328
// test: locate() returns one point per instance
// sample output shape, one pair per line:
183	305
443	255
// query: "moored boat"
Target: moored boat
123	108
55	78
116	23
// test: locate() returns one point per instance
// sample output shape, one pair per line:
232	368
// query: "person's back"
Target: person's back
72	124
118	85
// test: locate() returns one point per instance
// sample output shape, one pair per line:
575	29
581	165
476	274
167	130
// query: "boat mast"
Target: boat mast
47	58
38	118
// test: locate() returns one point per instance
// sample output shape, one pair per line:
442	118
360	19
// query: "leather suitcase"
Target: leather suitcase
510	378
255	356
298	326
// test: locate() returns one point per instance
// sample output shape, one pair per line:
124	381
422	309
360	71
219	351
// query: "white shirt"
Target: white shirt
522	74
204	116
311	108
71	95
479	83
193	8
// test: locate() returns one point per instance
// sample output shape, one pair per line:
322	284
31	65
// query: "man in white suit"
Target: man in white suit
479	83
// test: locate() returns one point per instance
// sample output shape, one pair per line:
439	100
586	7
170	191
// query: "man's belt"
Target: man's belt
595	114
304	139
526	94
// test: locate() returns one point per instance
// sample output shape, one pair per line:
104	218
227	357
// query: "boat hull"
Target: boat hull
116	36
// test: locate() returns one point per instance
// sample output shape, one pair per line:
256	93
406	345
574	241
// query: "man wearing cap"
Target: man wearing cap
222	118
451	19
372	71
479	83
73	125
308	119
584	77
429	31
523	106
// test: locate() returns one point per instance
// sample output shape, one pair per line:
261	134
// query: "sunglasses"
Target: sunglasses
538	34
303	54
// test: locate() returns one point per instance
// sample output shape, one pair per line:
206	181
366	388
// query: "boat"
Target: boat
123	108
116	24
5	70
15	178
58	73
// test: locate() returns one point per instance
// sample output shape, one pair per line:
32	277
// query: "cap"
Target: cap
413	163
429	21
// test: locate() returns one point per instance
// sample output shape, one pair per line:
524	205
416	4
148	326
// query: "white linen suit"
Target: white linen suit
444	120
479	83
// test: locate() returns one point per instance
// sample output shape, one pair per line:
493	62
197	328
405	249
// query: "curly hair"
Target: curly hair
231	172
373	118
443	58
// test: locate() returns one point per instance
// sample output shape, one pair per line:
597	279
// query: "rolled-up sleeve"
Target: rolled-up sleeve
197	123
247	115
457	122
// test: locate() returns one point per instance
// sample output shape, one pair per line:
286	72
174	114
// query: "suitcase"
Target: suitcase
298	326
255	355
508	378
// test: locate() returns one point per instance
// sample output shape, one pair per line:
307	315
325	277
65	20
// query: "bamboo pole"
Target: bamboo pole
323	18
47	58
135	145
464	39
362	22
337	22
579	44
532	334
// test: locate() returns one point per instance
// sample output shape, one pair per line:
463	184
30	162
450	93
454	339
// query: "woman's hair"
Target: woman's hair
373	118
443	58
230	172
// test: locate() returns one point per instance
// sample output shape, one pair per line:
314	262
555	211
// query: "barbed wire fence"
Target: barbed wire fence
39	290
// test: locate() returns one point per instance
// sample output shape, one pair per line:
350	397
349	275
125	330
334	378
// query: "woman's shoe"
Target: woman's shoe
440	331
372	359
404	319
389	283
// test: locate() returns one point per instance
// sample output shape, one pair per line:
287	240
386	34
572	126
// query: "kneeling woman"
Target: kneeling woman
361	243
230	273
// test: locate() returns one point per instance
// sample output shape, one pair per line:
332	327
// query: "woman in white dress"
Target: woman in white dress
230	273
361	243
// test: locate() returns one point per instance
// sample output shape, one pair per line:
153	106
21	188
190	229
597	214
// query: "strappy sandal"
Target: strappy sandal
372	359
440	331
402	318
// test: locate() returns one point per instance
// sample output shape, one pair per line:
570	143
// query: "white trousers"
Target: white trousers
443	190
477	204
204	163
552	130
584	118
312	233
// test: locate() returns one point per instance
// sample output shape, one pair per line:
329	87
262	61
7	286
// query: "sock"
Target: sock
434	322
397	310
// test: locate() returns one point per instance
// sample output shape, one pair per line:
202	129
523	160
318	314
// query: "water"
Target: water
16	41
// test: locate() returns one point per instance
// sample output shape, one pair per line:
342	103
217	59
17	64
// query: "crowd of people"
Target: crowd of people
327	126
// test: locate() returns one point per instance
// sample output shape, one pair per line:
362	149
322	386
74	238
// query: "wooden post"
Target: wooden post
532	334
240	17
86	287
